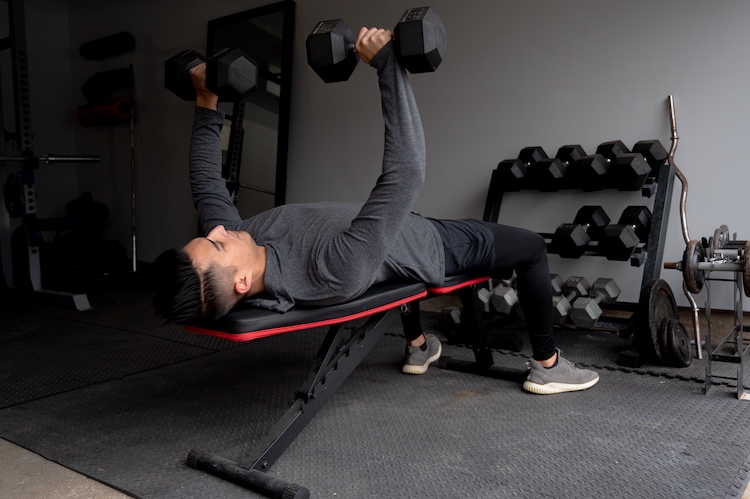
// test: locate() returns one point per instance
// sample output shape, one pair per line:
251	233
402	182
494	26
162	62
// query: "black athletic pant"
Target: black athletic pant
477	247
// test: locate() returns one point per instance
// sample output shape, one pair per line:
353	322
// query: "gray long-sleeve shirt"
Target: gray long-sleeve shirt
328	253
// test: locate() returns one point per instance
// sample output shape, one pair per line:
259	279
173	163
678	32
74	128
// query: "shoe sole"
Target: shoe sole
412	369
550	388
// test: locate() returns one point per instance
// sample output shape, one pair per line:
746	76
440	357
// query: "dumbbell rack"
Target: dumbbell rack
649	255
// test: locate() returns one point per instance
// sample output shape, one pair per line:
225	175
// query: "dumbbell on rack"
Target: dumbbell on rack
548	173
586	310
574	287
613	165
504	298
514	173
571	240
419	38
230	74
620	241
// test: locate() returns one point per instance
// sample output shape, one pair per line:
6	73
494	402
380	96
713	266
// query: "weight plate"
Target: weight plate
746	269
694	278
678	344
656	305
663	344
721	237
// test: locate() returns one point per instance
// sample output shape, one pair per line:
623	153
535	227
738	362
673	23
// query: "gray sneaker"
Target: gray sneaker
418	361
564	377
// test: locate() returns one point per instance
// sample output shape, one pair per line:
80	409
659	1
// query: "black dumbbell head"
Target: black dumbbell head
177	73
330	50
231	75
611	150
531	155
570	154
420	40
512	172
548	173
640	218
570	240
619	242
653	152
596	219
631	171
591	172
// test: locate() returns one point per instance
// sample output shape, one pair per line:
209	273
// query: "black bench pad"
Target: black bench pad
246	323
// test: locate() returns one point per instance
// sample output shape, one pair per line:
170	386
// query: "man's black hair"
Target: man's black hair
178	287
181	294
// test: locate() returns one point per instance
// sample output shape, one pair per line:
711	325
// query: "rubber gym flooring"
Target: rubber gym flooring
115	395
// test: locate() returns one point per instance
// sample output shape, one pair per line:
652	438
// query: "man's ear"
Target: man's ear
242	283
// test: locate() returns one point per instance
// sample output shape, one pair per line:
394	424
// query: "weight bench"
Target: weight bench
339	354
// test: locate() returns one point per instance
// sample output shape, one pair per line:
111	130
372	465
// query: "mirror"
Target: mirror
255	136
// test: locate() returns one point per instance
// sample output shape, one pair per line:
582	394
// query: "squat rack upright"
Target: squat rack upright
23	136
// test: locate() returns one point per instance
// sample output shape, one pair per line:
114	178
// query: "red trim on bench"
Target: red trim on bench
263	333
449	289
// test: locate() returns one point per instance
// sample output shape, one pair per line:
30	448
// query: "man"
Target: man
327	253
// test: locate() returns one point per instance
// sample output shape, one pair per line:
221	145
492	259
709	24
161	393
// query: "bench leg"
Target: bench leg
333	364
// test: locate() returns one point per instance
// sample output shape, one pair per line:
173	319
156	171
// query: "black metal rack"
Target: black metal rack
659	186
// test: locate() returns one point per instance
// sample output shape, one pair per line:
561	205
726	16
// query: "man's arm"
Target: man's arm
210	195
353	257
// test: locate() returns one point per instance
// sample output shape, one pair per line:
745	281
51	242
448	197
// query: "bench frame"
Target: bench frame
340	353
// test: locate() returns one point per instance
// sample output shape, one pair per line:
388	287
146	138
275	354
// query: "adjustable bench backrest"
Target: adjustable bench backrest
246	323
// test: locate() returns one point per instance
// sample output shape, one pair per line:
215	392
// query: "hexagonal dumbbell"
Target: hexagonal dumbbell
561	305
503	299
230	74
586	310
419	37
548	173
629	169
620	241
591	172
513	173
420	40
571	240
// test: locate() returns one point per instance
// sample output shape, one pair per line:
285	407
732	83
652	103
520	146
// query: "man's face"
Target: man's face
221	246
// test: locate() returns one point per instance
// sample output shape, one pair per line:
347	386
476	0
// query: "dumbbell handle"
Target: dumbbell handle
571	296
597	298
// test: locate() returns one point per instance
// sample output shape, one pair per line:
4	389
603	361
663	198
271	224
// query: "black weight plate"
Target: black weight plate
678	344
656	304
663	344
694	278
746	269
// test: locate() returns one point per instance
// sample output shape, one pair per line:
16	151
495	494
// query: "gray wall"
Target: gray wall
516	74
